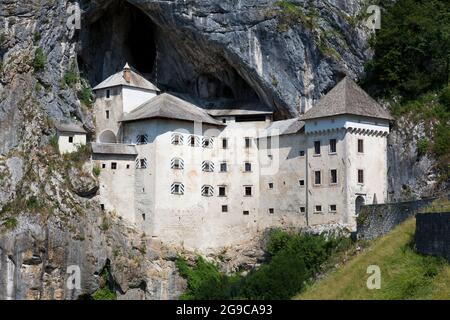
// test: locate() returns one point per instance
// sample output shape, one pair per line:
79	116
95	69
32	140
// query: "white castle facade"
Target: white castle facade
210	178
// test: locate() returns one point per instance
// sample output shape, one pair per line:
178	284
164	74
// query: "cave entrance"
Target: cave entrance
115	35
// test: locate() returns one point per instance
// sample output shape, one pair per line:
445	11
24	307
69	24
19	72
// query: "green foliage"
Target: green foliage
293	259
80	156
292	13
70	77
106	290
422	146
33	203
412	49
85	96
39	60
444	97
10	224
96	171
104	294
37	37
54	143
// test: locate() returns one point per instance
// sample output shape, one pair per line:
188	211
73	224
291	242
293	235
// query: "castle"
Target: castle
207	178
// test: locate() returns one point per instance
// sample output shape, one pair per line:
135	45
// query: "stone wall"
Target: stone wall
377	220
433	234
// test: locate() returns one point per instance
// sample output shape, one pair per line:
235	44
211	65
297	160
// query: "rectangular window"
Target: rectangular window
271	210
361	176
302	153
360	146
317	147
224	143
70	139
318	209
248	191
246	213
317	178
270	185
248	167
114	166
108	94
333	176
222	191
107	114
302	183
223	167
333	208
103	165
248	143
332	145
302	209
225	208
128	166
102	207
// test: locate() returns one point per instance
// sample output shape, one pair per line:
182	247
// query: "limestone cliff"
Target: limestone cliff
215	51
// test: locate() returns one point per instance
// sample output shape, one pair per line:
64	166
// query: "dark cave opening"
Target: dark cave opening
119	32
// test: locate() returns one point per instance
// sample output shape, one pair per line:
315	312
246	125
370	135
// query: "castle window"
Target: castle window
193	141
302	209
332	145
177	188
333	208
108	94
248	143
302	183
248	191
225	208
103	165
246	213
141	163
222	191
270	185
208	166
317	148
102	207
318	209
224	143
317	178
128	166
361	176
143	217
70	139
107	114
360	146
208	142
223	167
207	191
177	164
333	176
224	120
301	153
177	139
271	210
114	165
142	139
248	167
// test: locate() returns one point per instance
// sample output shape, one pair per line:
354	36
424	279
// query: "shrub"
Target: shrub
54	143
444	98
39	60
10	224
71	76
96	171
85	96
422	146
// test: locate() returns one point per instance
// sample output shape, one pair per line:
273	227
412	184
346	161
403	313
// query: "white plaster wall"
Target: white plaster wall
65	146
346	121
134	97
114	106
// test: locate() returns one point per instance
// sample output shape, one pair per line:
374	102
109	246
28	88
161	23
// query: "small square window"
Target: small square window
302	209
270	185
114	165
225	208
224	120
70	139
302	183
248	167
222	191
302	153
128	166
103	165
246	213
318	209
271	210
333	208
102	207
223	167
248	191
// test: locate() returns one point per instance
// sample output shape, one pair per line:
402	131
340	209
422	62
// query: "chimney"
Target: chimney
127	73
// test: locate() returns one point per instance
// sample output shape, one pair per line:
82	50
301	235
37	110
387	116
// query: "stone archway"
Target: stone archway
360	201
107	136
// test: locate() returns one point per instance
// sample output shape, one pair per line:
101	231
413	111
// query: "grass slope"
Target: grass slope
404	273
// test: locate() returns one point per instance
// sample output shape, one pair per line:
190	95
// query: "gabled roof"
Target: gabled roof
136	81
113	148
170	107
283	127
347	98
69	127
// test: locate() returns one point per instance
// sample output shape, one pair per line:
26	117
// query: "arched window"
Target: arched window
142	139
107	136
208	166
141	163
177	139
177	164
208	142
177	188
193	141
207	191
